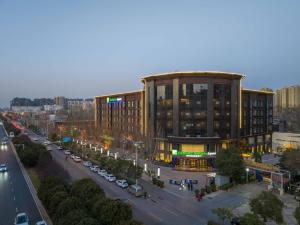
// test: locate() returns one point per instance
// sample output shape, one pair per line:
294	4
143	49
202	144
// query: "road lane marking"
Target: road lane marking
14	198
154	216
170	211
17	210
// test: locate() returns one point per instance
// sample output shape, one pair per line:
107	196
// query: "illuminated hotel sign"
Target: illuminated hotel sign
192	154
113	99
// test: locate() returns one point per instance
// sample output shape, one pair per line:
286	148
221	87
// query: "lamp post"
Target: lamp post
158	172
247	171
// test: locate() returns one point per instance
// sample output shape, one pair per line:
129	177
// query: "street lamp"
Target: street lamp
158	172
247	171
145	167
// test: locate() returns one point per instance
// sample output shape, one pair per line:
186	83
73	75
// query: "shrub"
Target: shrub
207	189
202	191
226	186
213	188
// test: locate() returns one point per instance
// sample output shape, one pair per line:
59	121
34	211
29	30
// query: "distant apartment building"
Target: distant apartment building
23	109
61	101
184	118
80	104
287	98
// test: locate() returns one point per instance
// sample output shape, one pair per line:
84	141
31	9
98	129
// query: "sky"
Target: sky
86	48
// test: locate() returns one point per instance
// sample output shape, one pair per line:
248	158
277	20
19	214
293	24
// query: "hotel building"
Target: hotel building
184	118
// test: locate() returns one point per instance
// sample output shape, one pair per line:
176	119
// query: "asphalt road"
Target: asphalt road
163	207
15	196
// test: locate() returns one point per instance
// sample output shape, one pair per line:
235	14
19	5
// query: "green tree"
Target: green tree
268	206
223	214
290	160
55	200
72	217
131	222
54	137
88	221
48	184
68	205
114	212
257	157
230	163
85	189
98	206
250	219
297	214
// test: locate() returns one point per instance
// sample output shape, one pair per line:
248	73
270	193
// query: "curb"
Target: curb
32	190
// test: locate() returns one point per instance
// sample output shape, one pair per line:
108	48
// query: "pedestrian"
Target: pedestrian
192	187
189	186
145	194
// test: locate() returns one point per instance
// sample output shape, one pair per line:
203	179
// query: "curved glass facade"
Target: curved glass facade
193	110
222	110
164	110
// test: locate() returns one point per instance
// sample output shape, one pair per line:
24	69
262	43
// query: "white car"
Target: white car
41	223
94	168
122	183
46	142
72	156
110	177
3	168
3	142
77	159
87	164
67	152
102	173
59	148
22	219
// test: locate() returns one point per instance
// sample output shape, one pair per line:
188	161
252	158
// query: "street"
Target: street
163	206
15	196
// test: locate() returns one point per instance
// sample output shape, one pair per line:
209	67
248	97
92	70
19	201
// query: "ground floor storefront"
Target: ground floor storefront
194	164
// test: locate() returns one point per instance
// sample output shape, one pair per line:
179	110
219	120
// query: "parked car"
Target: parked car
136	190
3	168
122	183
87	163
77	159
102	173
22	219
94	168
72	156
41	223
67	152
110	177
59	148
46	142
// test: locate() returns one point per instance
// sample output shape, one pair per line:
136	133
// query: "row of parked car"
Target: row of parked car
136	190
72	156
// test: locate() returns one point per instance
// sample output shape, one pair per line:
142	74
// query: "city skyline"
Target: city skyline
83	50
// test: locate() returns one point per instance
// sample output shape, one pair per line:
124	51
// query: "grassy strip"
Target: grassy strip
34	177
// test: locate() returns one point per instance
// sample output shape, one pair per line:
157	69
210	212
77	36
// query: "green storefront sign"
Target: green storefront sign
191	154
113	99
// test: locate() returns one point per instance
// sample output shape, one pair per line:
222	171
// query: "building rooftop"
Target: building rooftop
258	91
118	94
194	73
